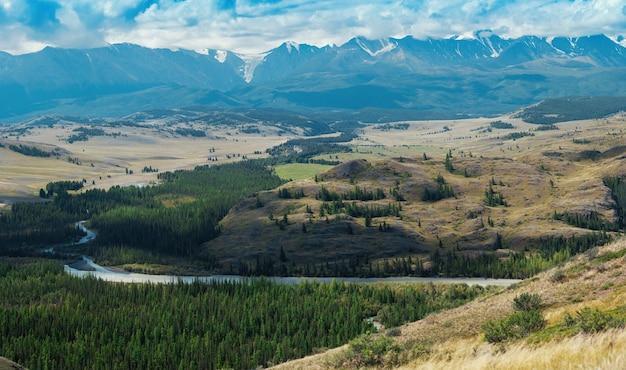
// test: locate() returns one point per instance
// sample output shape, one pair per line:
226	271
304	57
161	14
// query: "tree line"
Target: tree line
549	252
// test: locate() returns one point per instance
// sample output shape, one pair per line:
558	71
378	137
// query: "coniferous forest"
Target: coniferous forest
172	218
51	320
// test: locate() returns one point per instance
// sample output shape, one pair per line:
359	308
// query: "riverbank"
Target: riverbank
87	267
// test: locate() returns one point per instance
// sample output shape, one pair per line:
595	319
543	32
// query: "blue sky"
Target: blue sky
250	26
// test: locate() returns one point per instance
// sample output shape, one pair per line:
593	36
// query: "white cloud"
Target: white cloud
253	26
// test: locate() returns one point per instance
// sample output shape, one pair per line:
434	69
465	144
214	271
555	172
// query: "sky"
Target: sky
253	26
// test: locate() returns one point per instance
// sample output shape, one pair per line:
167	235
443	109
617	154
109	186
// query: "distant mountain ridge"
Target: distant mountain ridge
485	74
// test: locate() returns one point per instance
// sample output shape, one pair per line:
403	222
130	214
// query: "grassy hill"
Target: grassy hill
502	195
454	339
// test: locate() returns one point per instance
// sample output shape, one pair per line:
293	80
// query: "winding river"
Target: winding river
113	275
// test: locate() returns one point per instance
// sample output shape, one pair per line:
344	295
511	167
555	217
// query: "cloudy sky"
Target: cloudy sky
249	26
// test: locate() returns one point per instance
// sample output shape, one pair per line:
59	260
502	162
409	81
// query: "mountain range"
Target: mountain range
482	75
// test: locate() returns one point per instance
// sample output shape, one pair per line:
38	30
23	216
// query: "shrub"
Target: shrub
369	350
558	276
526	320
527	302
515	326
495	331
590	320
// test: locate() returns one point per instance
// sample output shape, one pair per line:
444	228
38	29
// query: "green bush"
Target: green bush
515	326
590	320
525	320
370	350
527	302
495	331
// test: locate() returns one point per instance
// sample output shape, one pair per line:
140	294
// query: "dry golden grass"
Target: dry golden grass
104	159
605	350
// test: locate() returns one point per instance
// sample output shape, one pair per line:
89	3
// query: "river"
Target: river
114	275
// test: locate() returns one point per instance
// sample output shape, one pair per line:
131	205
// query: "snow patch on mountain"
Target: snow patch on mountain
619	40
484	37
251	61
220	55
465	36
550	41
292	45
386	46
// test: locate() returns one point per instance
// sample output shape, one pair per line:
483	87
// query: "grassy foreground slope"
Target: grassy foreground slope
6	364
454	339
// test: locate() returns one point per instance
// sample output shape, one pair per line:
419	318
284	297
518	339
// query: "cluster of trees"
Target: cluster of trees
591	220
149	169
285	193
83	133
526	319
518	265
31	151
517	135
356	193
547	127
60	188
250	130
501	125
573	108
494	198
362	194
49	319
190	132
394	126
618	192
34	225
443	190
448	162
355	209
